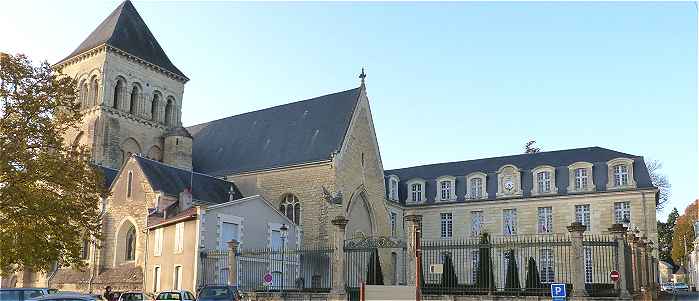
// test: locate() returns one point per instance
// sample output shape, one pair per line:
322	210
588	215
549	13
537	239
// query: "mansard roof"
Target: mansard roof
172	180
559	159
307	131
125	30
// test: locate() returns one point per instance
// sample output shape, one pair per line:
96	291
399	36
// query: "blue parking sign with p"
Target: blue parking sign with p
558	291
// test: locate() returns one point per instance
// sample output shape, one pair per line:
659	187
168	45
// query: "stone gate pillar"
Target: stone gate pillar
337	292
413	227
233	262
576	230
643	264
618	230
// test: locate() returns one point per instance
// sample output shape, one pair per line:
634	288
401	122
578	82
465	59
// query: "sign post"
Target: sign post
558	291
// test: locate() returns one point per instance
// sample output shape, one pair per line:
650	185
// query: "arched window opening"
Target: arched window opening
117	93
169	107
83	96
291	207
130	244
154	107
94	91
133	104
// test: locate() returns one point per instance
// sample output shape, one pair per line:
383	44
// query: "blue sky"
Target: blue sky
447	81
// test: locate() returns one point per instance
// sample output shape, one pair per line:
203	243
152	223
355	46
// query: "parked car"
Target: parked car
218	293
135	296
679	286
21	294
666	287
180	295
66	297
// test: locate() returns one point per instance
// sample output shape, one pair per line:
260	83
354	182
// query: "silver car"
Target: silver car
67	297
21	294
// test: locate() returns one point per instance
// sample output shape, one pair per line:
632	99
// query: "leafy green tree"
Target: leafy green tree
449	278
512	275
665	231
485	278
533	281
49	191
374	276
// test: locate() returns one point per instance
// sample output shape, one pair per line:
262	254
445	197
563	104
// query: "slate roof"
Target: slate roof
560	159
125	29
108	174
173	180
300	132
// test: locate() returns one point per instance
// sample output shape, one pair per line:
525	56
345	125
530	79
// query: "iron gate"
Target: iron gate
374	261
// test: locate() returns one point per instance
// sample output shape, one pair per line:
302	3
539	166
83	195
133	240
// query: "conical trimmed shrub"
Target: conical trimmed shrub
449	278
485	279
512	277
533	281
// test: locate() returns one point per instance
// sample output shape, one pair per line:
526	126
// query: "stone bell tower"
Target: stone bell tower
129	90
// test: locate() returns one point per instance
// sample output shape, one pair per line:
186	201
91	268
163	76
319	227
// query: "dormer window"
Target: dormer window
580	177
446	188
620	173
509	181
475	186
416	190
393	188
544	180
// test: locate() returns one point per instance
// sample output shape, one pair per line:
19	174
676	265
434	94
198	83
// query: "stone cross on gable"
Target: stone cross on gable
362	75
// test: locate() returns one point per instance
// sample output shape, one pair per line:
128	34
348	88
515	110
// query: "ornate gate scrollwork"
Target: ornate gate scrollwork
372	242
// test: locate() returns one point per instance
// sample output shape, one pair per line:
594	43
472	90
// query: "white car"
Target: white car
135	296
175	295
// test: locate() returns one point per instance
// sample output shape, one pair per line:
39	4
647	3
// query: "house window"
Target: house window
229	231
475	254
394	217
177	277
588	264
156	279
445	189
545	220
580	178
416	190
509	221
446	225
130	244
158	248
582	215
546	272
291	207
179	238
476	223
129	179
621	175
622	213
393	189
544	181
476	188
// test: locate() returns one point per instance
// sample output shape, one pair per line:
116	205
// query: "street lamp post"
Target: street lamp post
283	232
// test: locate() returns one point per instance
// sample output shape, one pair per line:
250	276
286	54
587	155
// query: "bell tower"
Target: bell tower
129	90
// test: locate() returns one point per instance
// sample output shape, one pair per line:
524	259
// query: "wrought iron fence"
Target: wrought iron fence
513	265
214	268
307	269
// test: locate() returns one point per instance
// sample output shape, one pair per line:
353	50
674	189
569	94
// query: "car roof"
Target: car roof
23	288
64	296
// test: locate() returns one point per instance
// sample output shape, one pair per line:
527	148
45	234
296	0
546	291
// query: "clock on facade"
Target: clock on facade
509	185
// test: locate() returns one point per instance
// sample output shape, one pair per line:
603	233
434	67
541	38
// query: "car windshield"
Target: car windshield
132	297
220	292
10	295
169	296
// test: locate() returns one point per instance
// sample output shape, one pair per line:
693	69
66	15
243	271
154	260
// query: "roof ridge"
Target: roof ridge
507	156
182	169
272	107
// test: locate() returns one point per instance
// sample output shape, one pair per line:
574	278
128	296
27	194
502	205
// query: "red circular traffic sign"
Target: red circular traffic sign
614	275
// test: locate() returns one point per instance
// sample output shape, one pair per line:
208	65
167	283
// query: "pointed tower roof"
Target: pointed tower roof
125	30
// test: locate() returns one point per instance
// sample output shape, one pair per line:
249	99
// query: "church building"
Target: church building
308	160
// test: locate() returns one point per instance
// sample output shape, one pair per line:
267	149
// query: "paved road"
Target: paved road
693	296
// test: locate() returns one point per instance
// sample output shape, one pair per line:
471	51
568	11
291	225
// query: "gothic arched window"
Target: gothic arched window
83	94
169	110
133	104
130	244
291	207
154	107
94	91
118	92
